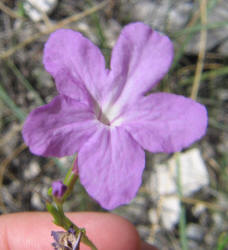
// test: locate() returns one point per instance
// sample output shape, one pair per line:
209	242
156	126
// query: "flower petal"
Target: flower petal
59	128
110	167
76	64
140	59
165	122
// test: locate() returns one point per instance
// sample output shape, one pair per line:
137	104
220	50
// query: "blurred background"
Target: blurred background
183	201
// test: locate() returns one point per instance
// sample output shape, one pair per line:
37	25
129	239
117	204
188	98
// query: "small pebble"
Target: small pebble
35	9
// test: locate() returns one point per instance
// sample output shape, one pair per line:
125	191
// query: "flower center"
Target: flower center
108	116
102	118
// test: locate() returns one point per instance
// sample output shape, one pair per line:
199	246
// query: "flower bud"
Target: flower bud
58	188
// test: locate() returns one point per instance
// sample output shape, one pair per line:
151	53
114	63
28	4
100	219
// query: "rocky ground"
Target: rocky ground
157	211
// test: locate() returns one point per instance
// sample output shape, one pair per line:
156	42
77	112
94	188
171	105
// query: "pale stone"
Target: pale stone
36	201
32	171
163	184
195	232
35	9
163	15
170	211
171	16
198	209
193	172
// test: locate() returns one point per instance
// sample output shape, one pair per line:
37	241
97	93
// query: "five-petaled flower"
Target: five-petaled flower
107	115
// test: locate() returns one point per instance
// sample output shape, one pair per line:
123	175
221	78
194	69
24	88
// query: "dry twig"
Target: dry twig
9	12
59	25
4	165
202	49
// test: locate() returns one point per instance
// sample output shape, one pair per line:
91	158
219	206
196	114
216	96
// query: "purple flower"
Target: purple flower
105	114
58	188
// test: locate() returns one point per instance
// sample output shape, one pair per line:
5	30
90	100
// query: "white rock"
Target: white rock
63	160
84	27
172	16
216	36
179	16
35	9
36	201
193	171
163	184
170	212
163	14
111	32
193	175
195	232
153	216
198	209
32	170
162	181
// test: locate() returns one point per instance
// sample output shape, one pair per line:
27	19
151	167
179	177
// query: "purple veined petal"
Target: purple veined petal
110	166
140	59
76	64
165	122
59	128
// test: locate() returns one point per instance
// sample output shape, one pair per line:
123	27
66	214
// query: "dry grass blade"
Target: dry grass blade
7	137
191	67
202	49
4	165
9	12
7	160
60	24
208	205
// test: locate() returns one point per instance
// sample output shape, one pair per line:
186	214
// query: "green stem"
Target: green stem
61	220
70	185
56	209
182	222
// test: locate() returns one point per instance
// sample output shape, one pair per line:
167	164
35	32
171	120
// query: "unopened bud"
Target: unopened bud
58	188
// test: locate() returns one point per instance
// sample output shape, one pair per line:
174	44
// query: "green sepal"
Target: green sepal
61	220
